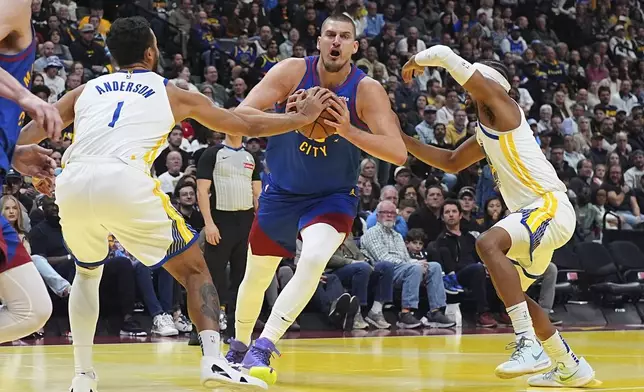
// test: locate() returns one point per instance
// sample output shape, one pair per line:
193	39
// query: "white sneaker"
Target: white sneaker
218	373
358	321
561	376
85	382
528	358
163	325
223	321
182	324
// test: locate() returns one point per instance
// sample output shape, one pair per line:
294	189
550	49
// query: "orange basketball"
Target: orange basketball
317	129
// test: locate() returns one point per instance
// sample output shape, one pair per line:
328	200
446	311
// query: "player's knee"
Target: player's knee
551	271
314	255
41	312
487	245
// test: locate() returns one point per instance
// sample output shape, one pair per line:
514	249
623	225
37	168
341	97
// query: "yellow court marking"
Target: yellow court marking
450	363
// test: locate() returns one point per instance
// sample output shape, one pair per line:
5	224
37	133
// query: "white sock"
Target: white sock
260	271
319	242
521	321
376	307
559	351
210	342
83	315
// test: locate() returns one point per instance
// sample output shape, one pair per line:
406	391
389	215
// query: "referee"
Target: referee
228	187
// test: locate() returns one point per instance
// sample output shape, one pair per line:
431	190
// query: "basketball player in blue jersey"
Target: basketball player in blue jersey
518	249
121	124
22	292
311	188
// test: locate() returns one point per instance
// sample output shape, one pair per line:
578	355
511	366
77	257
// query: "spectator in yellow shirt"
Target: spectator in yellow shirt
457	129
96	9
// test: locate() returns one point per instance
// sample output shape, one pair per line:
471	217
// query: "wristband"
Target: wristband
442	56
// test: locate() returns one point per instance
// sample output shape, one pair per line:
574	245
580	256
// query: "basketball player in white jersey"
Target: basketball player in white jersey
517	250
121	124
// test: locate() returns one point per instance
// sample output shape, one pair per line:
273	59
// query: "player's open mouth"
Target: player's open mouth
334	54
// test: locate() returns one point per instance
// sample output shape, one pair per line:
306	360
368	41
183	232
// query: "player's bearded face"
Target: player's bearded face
336	44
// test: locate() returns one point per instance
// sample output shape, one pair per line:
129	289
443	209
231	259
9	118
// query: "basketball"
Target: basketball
317	129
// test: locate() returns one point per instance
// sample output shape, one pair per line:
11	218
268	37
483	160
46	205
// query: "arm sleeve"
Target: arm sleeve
206	164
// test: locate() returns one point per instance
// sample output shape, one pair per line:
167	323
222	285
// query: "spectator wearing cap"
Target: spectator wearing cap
55	83
457	255
466	199
389	193
425	130
624	100
622	46
597	152
402	176
514	43
633	175
46	51
88	52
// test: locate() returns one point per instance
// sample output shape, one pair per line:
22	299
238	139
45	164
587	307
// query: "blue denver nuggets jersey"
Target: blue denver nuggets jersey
11	115
303	166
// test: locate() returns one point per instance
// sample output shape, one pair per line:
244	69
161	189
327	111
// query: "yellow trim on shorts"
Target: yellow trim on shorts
543	213
151	155
184	230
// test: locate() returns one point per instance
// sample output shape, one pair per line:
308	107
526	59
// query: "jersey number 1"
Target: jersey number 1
116	115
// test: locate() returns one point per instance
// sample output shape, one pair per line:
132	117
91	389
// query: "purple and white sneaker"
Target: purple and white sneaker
258	360
236	352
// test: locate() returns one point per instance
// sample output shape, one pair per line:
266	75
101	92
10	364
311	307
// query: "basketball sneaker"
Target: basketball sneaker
218	374
236	352
258	360
84	382
562	376
528	358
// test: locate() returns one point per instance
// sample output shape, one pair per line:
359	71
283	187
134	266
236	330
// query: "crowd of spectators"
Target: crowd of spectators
576	69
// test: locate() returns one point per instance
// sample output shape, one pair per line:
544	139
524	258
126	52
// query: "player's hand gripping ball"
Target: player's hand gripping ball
317	129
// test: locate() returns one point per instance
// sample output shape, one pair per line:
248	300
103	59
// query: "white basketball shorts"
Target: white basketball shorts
537	230
98	196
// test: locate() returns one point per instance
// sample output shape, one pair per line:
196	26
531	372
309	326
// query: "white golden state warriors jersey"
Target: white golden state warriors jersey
125	115
520	169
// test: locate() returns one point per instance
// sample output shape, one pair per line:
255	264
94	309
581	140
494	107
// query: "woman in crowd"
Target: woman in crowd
12	212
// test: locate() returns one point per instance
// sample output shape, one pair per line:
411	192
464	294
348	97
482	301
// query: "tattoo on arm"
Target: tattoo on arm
210	302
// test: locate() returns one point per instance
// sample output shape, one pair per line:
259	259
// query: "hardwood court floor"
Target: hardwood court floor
374	364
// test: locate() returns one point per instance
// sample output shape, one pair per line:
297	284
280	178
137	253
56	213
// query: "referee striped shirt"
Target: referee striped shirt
232	171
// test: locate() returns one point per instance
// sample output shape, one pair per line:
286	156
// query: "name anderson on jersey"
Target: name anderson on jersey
128	87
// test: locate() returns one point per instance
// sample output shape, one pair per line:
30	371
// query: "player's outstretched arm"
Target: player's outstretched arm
505	114
187	104
374	109
34	133
450	161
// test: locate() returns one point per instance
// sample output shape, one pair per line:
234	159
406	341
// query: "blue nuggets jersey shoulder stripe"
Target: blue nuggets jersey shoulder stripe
11	115
303	166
